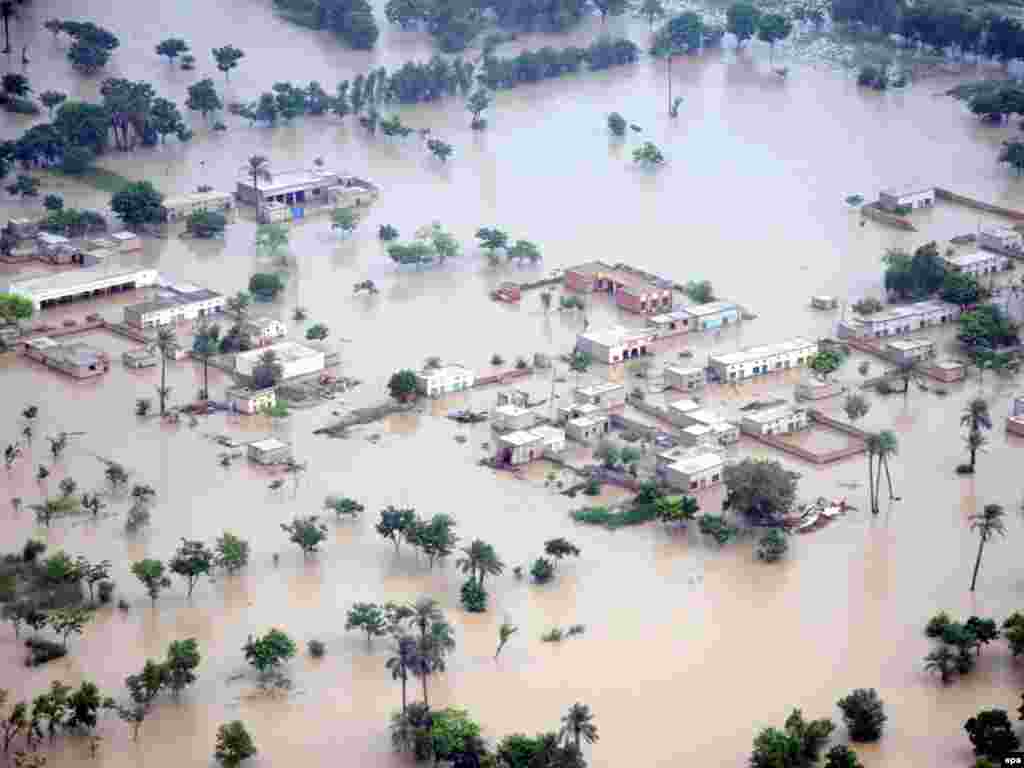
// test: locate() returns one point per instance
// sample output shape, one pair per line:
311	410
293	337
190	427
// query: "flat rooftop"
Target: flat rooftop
710	308
294	178
967	259
679	370
626	278
908	345
520	437
765	350
79	278
704	416
511	410
913	188
583	422
599	389
698	430
700	463
268	444
685	405
548	434
909	310
771	414
615	336
194	198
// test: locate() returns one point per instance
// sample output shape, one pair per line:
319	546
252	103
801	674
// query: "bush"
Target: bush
937	624
387	233
552	636
32	550
206	224
266	285
964	469
497	359
42	651
542	570
592	488
772	546
106	591
863	714
317	649
474	597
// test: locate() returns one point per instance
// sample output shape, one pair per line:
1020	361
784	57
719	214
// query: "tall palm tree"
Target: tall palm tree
988	523
975	441
401	663
7	13
941	660
480	560
976	415
872	444
258	168
204	346
425	612
887	446
166	341
578	724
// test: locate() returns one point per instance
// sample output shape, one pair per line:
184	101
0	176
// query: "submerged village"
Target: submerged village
452	417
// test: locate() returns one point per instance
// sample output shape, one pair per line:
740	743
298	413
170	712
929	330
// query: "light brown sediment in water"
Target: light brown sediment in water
692	647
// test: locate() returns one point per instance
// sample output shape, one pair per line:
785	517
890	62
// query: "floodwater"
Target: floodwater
682	639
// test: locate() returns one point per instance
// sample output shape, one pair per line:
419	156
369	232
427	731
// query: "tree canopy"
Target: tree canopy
759	489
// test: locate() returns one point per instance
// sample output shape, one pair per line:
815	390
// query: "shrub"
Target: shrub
552	636
575	629
542	570
497	359
863	714
387	233
106	590
42	651
317	649
474	597
937	624
593	487
206	224
32	550
772	546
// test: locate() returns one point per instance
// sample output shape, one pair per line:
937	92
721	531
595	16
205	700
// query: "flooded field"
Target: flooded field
694	647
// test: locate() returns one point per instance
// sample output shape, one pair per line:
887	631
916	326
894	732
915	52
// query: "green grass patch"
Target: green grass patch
95	177
634	514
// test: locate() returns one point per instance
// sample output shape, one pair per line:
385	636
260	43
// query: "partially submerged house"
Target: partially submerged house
607	395
695	472
435	382
1015	421
774	421
684	379
174	304
616	344
294	359
61	287
269	451
910	350
183	206
632	290
898	320
75	359
586	429
512	417
977	263
251	401
264	330
949	370
999	238
525	445
907	197
767	358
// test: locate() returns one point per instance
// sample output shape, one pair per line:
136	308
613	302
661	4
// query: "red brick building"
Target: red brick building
631	290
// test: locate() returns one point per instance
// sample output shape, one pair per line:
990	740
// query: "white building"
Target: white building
898	320
251	401
697	434
126	241
269	451
814	388
695	473
263	330
294	359
512	417
294	187
977	263
184	206
174	304
911	350
910	196
434	382
768	358
525	445
774	421
552	439
60	287
606	395
677	411
684	379
1000	238
580	410
725	432
584	429
615	344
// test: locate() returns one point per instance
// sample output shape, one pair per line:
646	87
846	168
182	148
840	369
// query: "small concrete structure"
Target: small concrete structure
77	359
898	320
977	263
949	371
1000	238
552	438
584	429
139	358
695	473
518	397
174	304
1015	421
824	302
60	287
615	344
726	433
295	359
263	330
768	358
910	350
512	417
684	379
774	421
126	241
910	196
520	447
579	411
269	451
677	412
632	291
813	388
294	187
434	382
185	205
50	244
607	395
713	314
251	401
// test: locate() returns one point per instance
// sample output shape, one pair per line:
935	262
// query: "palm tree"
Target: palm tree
49	509
204	346
941	660
425	612
872	444
975	441
505	632
258	168
887	446
856	406
578	724
976	415
480	560
989	522
401	663
166	341
7	13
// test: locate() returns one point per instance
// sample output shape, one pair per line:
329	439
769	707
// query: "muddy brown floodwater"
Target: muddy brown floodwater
688	650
